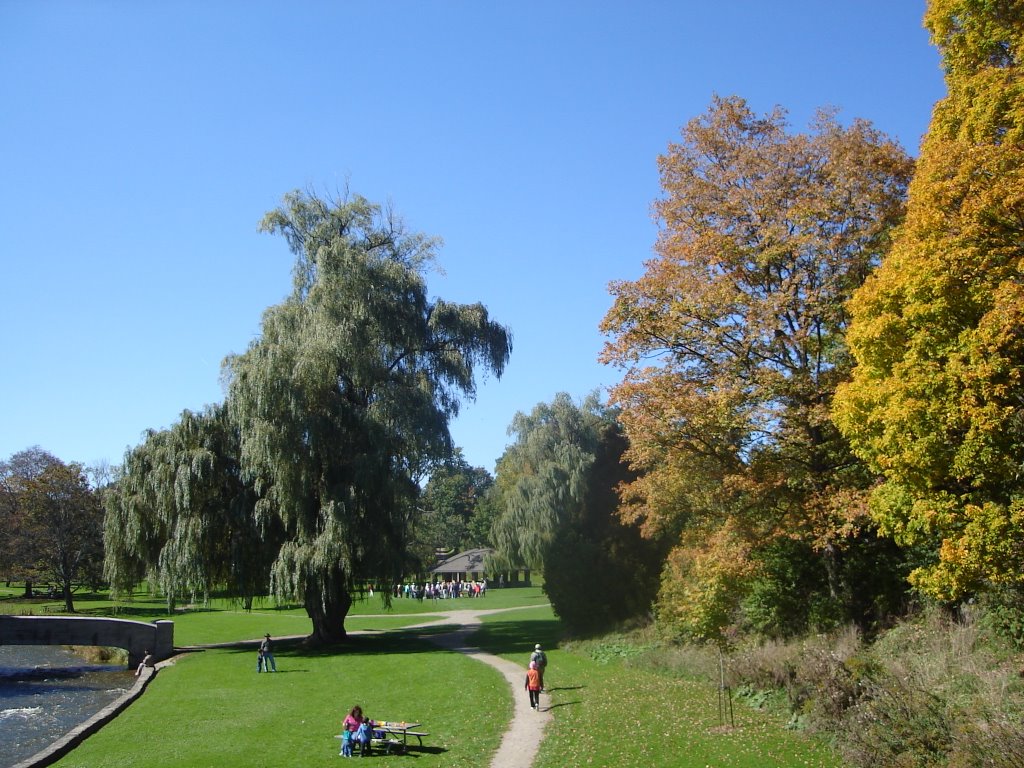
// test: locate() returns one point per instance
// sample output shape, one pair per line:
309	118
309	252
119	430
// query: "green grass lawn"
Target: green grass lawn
211	708
612	715
608	712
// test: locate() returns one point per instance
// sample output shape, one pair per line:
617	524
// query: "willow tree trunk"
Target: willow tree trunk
327	604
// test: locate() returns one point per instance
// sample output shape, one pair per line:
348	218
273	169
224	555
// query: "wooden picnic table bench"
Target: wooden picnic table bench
389	728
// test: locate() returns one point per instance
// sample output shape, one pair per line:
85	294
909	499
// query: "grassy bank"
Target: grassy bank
613	707
609	707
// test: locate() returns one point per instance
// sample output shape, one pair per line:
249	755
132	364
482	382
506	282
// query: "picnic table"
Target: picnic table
388	728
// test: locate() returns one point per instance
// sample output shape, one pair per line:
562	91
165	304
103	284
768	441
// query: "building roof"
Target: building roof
464	562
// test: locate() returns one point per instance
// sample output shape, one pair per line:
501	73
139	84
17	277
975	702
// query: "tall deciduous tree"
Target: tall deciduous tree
733	345
63	522
451	501
938	333
17	557
346	397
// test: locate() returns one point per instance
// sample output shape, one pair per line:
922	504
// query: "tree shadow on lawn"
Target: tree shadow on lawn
383	644
498	637
142	612
512	637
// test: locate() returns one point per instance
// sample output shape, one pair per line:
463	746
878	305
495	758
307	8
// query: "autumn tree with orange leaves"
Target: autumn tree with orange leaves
733	345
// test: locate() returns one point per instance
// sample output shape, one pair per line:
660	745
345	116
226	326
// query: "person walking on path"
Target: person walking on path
266	657
533	685
538	658
521	741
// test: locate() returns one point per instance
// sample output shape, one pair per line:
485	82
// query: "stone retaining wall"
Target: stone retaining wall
136	637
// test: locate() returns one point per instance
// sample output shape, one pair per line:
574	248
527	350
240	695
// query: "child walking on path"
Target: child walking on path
533	685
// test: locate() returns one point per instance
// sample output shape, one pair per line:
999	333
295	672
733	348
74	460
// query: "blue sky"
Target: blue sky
143	141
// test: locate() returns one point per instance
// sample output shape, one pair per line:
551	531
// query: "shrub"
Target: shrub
939	693
819	674
897	725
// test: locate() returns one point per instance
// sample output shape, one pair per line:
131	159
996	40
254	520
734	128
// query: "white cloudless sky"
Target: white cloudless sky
142	142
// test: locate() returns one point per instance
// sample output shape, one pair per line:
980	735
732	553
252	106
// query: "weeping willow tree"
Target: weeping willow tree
542	478
346	396
556	492
181	515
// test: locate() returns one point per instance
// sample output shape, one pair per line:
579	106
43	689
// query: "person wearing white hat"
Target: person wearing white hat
267	655
541	661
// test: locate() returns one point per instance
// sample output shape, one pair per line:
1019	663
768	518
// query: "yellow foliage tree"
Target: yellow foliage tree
938	331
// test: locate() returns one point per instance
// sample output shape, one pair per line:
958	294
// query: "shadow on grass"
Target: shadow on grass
149	612
388	644
509	637
561	704
516	637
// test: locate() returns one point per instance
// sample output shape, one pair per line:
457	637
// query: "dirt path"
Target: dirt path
521	741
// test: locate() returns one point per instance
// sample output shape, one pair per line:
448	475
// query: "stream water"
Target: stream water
45	691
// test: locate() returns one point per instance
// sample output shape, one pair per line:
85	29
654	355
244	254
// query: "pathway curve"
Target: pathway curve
522	739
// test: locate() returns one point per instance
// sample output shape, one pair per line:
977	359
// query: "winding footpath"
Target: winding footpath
522	739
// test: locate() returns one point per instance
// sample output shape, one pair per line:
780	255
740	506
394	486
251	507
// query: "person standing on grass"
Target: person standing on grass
533	685
346	743
363	735
266	656
538	658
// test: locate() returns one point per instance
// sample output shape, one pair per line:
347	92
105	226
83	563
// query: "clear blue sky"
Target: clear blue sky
143	141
